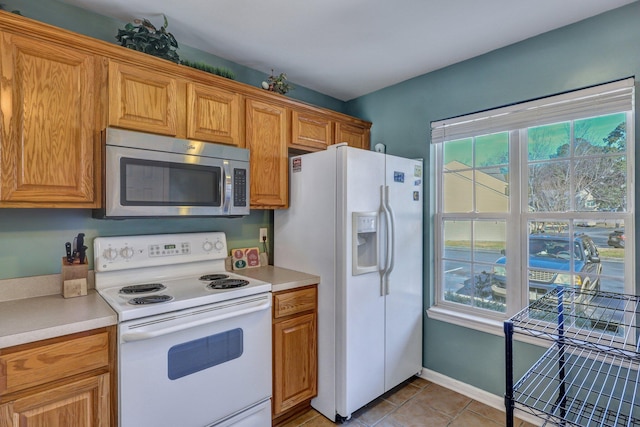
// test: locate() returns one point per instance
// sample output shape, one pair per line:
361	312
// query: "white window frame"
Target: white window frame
599	100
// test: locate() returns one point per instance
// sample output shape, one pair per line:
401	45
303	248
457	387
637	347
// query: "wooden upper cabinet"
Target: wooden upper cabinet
49	103
213	114
310	131
141	99
355	136
266	139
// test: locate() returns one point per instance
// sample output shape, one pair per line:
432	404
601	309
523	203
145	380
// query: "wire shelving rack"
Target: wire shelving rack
590	374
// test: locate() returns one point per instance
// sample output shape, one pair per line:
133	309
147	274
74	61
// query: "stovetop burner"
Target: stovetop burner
227	284
150	299
218	276
142	289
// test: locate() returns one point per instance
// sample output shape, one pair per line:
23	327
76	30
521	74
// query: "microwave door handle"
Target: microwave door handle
227	187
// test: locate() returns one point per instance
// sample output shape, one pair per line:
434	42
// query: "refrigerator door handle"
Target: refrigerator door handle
383	268
388	255
391	224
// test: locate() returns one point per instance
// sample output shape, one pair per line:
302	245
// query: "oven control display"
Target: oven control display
169	249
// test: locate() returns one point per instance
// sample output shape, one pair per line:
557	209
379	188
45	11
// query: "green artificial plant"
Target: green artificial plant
219	71
143	36
277	84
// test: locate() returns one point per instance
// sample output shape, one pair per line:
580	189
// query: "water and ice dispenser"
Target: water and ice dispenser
365	242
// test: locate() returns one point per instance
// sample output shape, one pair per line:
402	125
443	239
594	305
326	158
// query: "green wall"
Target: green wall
32	240
597	50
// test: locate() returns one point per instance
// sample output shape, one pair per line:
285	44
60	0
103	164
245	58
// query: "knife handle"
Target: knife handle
67	247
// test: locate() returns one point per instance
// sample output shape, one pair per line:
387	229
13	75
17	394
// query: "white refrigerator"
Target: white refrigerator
355	219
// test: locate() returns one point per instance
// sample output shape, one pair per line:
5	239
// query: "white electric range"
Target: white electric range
188	330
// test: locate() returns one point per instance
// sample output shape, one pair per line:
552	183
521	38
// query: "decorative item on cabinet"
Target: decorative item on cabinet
219	71
16	11
145	37
277	84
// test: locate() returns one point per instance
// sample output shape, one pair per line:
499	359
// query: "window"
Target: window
532	196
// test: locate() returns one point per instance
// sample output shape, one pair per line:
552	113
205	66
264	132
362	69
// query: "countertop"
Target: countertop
40	317
33	319
281	279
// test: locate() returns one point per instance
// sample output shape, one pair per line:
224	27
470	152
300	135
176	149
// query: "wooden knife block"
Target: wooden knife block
74	279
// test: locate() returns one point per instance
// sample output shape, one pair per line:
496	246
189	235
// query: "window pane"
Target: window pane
549	142
601	184
604	134
457	240
492	190
458	154
456	273
568	259
549	185
610	240
492	150
489	240
457	193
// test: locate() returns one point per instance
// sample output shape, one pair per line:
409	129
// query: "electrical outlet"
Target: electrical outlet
263	235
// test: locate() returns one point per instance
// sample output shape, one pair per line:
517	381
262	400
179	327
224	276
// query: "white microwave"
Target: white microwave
148	175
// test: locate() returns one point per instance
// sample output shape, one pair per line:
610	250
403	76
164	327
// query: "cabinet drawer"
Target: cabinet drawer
293	302
34	366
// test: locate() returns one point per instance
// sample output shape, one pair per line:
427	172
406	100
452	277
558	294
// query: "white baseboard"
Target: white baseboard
474	393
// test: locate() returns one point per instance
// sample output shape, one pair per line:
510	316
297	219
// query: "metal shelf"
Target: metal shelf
590	374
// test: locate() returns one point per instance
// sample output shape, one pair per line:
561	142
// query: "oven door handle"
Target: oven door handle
203	316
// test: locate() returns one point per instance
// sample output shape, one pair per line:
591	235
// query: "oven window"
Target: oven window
155	183
197	355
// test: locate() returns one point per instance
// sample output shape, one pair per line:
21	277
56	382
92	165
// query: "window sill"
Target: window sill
489	326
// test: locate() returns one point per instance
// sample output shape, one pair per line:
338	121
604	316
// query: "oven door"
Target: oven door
197	367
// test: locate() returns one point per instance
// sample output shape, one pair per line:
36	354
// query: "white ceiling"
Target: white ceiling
348	48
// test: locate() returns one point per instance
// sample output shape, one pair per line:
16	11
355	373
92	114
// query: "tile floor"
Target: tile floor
416	403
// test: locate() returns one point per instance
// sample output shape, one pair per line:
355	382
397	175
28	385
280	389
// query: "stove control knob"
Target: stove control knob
126	252
219	245
207	246
110	254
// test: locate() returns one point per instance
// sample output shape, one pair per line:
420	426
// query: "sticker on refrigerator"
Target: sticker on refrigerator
417	171
398	176
296	164
416	195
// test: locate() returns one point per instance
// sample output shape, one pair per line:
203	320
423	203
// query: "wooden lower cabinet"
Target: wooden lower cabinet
295	351
80	403
60	382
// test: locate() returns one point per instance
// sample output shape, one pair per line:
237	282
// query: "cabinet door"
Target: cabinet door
48	105
355	136
213	114
295	361
80	403
310	131
142	99
266	138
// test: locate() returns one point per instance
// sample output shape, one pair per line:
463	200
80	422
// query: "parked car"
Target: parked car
550	256
616	239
